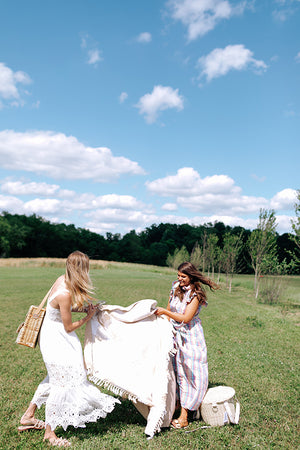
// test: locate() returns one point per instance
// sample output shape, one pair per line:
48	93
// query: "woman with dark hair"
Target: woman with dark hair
190	362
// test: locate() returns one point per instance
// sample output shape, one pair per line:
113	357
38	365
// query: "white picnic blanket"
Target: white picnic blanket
128	351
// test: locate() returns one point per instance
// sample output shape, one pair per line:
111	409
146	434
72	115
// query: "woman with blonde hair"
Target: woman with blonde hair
70	399
190	362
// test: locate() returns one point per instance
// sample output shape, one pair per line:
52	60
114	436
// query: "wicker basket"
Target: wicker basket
29	330
219	406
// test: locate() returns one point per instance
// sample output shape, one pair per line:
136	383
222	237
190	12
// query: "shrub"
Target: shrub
271	291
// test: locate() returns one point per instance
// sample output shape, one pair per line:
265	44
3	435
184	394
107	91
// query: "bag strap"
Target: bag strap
44	300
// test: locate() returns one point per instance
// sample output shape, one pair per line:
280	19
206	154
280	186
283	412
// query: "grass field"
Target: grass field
251	346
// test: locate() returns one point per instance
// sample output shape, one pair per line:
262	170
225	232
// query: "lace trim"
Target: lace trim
70	399
66	376
63	415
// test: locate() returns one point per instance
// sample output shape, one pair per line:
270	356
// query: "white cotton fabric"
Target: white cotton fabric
69	397
128	350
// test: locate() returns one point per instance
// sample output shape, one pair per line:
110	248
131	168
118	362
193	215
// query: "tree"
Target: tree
5	229
178	257
231	249
296	229
196	256
211	252
262	244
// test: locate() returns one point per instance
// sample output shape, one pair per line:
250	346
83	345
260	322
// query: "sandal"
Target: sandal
178	425
34	424
58	442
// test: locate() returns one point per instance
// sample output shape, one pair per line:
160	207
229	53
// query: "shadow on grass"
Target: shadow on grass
123	415
212	385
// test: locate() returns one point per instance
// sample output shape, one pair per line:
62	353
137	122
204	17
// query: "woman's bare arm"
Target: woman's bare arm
64	303
189	313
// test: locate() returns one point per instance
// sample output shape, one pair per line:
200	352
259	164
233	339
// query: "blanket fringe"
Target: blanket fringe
113	388
157	427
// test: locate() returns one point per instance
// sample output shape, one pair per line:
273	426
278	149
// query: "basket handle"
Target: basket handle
43	301
234	420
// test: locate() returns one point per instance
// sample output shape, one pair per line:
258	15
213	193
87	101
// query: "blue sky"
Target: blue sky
115	115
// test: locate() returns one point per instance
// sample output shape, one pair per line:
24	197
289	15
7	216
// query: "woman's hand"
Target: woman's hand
186	317
90	311
160	311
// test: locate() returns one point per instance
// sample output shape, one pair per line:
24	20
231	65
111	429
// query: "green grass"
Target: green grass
251	347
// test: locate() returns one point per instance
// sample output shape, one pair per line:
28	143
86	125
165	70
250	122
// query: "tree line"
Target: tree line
159	244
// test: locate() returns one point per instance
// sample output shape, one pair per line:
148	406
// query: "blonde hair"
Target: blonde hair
77	278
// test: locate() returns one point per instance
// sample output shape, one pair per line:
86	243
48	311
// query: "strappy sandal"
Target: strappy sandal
177	425
34	424
58	442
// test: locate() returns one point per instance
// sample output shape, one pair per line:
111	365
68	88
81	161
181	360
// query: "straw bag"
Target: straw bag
220	406
28	331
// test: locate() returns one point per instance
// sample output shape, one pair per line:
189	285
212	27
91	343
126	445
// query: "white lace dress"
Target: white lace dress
70	399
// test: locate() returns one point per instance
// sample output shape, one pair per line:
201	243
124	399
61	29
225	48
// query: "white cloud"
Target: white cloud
232	221
88	201
11	204
188	182
215	194
233	57
123	97
257	178
169	207
94	56
284	199
228	203
90	47
60	156
161	98
202	16
83	43
285	9
144	38
118	201
36	104
42	206
284	223
297	57
9	81
32	188
120	216
121	213
281	15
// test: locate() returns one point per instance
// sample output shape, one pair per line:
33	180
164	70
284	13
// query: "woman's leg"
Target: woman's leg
182	420
28	414
52	439
28	420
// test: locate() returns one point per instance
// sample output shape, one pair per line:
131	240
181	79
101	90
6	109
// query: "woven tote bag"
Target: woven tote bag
28	331
220	406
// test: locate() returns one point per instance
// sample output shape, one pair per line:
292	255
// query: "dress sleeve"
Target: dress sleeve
174	285
190	297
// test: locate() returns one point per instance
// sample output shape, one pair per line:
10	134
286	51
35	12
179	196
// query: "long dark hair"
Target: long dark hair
197	280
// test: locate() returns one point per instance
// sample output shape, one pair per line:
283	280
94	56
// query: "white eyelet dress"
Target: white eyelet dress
69	397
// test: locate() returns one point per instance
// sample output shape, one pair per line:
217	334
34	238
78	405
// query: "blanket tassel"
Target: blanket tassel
113	388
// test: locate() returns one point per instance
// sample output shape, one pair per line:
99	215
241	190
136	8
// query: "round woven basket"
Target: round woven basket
213	411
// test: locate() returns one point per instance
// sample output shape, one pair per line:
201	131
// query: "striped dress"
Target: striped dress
190	361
